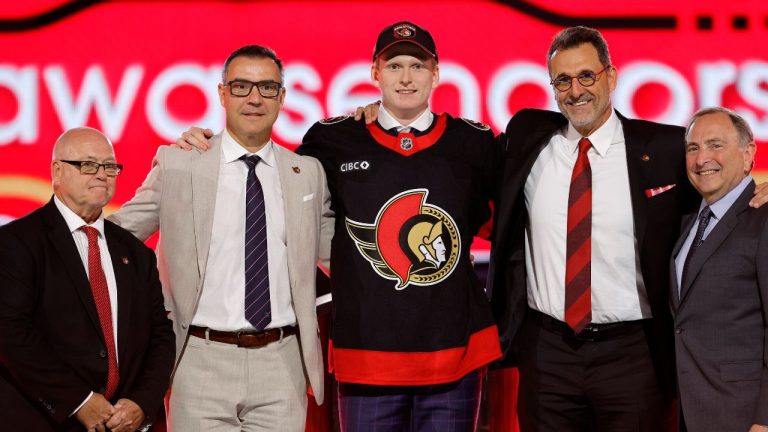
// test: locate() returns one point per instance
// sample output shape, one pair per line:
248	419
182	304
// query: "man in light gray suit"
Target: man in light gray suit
242	227
719	294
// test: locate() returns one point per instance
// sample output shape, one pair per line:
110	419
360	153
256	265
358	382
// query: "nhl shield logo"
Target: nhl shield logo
406	143
411	242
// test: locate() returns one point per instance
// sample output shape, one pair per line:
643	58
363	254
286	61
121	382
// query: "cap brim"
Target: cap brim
410	41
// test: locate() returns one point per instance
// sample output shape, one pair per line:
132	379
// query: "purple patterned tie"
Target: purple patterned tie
257	306
698	239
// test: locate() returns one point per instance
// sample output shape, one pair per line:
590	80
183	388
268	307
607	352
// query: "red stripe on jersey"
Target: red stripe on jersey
359	366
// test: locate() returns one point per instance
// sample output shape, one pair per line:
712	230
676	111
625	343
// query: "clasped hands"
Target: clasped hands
98	414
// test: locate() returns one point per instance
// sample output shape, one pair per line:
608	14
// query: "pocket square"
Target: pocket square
308	197
650	193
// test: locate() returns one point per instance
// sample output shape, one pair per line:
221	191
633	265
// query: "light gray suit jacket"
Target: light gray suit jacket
721	342
178	199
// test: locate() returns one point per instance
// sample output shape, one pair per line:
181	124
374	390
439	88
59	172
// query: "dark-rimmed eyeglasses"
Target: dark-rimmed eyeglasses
242	88
90	167
586	79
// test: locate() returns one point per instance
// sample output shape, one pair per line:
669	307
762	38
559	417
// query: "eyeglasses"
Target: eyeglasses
242	88
586	79
91	167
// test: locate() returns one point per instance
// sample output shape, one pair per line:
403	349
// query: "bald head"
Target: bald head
69	141
84	194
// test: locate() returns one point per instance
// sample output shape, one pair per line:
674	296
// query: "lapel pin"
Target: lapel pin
125	260
645	158
296	169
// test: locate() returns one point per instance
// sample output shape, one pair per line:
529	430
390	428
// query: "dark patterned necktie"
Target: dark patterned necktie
100	292
257	305
578	267
698	239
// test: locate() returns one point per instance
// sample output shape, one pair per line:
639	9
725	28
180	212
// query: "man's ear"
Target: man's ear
375	74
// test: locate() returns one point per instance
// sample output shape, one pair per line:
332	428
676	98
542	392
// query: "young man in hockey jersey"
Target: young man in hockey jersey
412	326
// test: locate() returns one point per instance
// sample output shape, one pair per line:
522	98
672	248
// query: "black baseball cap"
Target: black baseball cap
405	31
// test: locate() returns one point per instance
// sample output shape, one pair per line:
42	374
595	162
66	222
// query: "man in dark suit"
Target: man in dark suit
589	211
719	293
84	338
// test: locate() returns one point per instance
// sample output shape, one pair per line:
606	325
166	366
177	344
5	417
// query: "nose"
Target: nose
101	173
576	88
255	97
703	156
405	78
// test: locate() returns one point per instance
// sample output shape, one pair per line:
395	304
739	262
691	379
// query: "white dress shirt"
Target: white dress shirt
222	302
74	223
618	291
422	122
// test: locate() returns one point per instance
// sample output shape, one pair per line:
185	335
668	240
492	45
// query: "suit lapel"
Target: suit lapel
122	265
205	181
514	178
292	193
635	141
61	239
686	224
715	238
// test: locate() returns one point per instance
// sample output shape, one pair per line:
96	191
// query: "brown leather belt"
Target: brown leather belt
243	339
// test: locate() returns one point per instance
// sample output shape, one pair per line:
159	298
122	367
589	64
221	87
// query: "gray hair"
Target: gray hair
573	37
741	125
251	51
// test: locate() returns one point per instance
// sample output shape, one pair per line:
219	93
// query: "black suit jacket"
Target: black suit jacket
721	341
52	351
655	158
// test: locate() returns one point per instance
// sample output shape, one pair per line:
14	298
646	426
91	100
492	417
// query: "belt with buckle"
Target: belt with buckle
243	339
591	333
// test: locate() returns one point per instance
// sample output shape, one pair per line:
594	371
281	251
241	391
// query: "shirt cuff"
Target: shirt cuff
81	405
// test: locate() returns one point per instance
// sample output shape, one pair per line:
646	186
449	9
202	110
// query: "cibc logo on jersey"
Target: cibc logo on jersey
411	242
354	166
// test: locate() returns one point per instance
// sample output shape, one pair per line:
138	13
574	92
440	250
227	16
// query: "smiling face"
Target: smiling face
587	108
406	82
84	194
715	159
250	118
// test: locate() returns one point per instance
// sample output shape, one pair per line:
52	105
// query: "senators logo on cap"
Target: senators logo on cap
404	31
411	242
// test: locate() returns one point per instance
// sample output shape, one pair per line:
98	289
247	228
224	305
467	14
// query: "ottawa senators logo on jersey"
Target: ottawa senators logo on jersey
410	242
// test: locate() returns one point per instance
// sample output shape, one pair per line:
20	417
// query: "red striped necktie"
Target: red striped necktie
578	267
103	307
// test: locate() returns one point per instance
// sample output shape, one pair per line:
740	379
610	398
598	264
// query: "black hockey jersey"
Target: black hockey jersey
408	307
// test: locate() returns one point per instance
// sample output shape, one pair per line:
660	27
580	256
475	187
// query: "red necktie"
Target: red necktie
101	298
578	267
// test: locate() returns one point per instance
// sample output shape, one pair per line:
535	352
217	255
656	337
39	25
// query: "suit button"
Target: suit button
183	325
679	330
102	353
102	390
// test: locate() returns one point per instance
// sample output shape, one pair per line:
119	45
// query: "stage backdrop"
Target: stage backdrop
144	71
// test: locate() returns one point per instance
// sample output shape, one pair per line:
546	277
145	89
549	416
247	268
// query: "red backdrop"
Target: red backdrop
144	71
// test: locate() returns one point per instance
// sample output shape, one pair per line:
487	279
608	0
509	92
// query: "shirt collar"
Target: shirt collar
721	206
609	133
422	122
75	222
232	151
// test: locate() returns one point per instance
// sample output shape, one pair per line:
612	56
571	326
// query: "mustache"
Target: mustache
583	98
